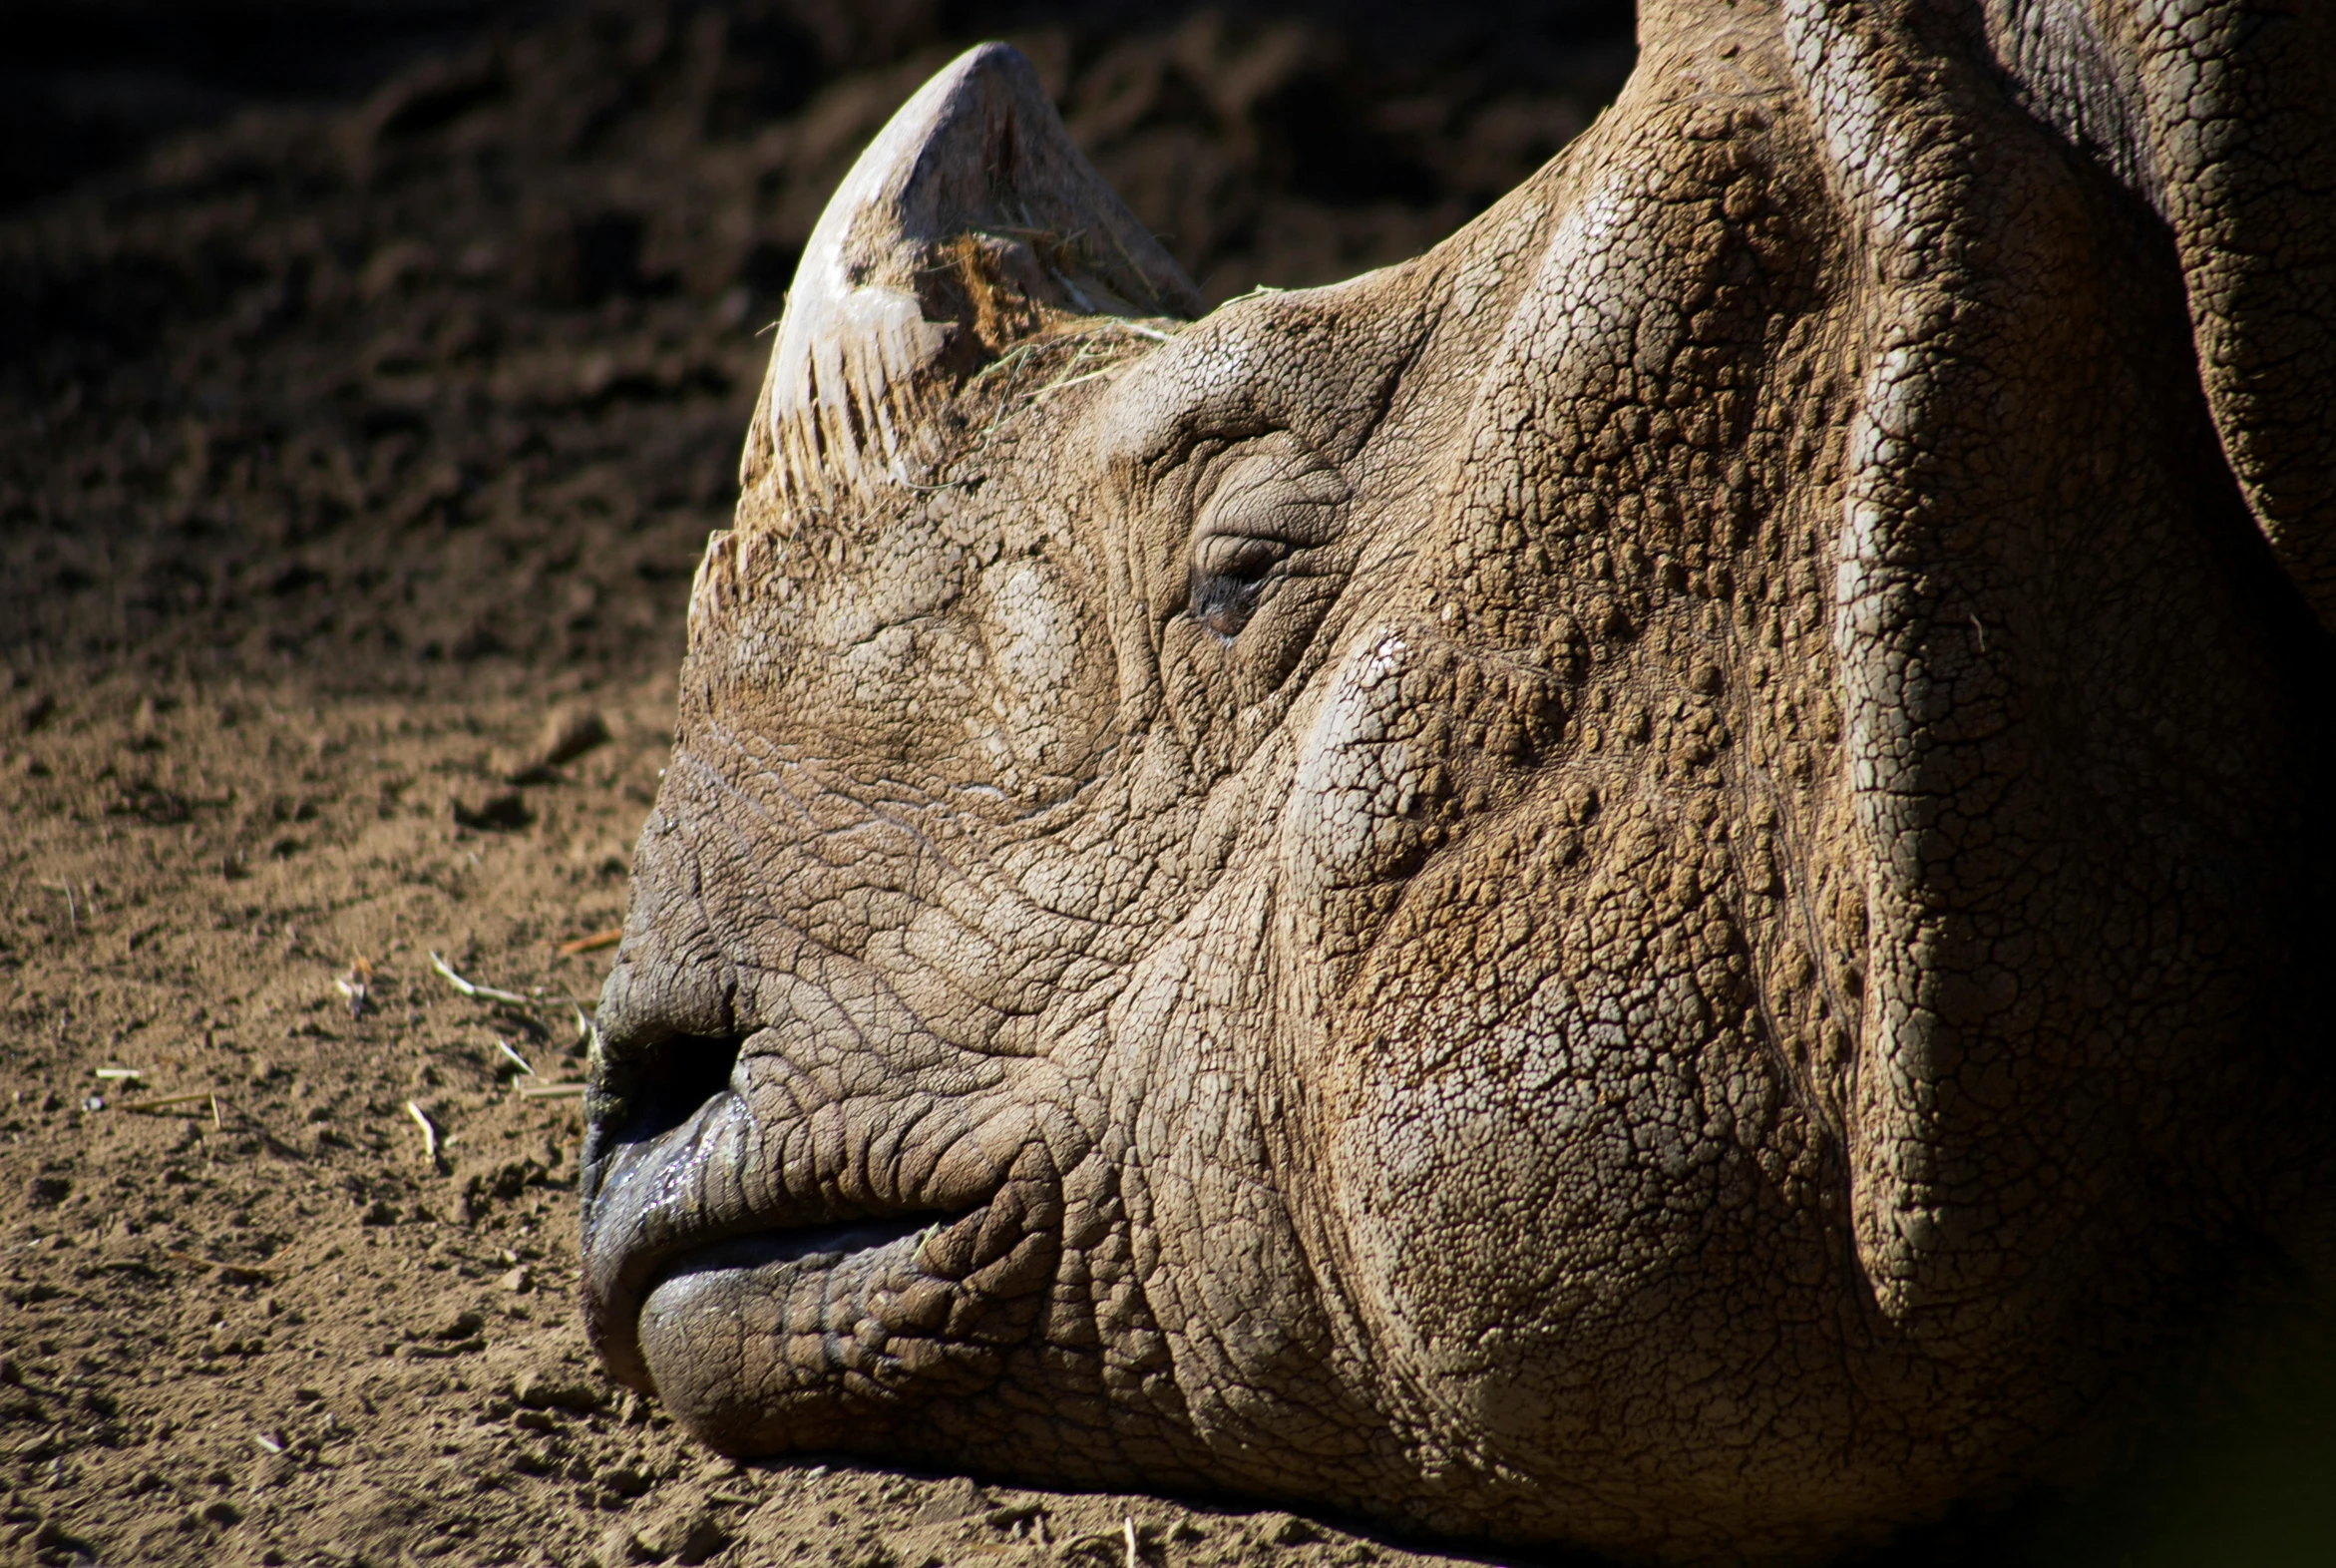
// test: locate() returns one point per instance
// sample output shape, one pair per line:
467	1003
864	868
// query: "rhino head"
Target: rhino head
1650	881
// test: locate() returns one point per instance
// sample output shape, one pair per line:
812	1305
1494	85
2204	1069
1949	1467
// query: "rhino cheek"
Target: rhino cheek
1530	1148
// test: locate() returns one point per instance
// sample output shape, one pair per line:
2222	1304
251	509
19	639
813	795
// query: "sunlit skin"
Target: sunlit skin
1649	883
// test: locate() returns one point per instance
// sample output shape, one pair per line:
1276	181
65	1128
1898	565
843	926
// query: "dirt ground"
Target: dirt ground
353	456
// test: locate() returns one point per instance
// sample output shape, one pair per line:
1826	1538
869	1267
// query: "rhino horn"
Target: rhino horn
970	222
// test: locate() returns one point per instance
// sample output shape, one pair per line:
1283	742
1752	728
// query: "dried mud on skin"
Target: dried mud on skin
337	451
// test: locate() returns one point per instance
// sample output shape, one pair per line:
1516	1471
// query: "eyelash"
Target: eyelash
1224	599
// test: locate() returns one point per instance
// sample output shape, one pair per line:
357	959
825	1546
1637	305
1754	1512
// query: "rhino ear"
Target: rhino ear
970	222
2222	115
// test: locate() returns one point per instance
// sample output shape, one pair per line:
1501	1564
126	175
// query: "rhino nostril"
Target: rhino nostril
668	1084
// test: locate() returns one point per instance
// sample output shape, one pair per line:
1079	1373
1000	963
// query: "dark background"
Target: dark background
388	343
86	85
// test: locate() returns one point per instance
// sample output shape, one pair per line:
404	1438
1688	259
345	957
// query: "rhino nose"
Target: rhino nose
666	1036
641	1092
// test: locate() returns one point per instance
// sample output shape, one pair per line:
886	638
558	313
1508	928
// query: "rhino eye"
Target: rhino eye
1267	506
1227	573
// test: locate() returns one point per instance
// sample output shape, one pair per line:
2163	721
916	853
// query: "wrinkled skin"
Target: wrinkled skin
1653	881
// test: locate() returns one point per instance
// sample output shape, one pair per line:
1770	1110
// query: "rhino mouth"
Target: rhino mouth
776	1303
808	1246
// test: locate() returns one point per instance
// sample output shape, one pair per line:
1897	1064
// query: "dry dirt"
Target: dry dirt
350	452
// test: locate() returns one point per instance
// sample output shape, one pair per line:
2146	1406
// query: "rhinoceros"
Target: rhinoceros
1653	881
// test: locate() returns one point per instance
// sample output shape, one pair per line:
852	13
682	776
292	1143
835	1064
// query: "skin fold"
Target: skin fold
1653	881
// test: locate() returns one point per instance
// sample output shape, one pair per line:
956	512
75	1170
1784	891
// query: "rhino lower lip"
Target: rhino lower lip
660	1211
839	1330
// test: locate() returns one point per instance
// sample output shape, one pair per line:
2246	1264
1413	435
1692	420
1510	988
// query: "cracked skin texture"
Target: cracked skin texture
1651	883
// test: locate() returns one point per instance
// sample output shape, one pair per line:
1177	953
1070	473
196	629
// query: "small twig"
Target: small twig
268	1442
1006	362
549	1091
473	990
217	1121
1066	379
120	1072
1031	231
428	1134
355	986
1127	1524
517	1059
592	944
171	1102
1093	375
